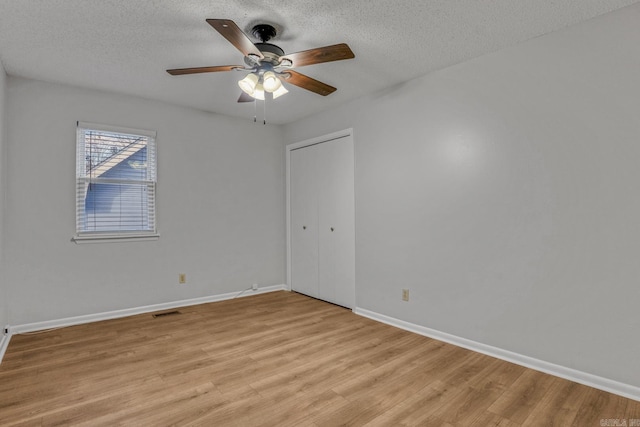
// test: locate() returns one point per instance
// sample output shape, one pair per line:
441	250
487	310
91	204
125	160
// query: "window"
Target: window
115	183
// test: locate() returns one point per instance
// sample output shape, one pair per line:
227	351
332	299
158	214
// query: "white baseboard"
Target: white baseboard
611	386
78	320
4	344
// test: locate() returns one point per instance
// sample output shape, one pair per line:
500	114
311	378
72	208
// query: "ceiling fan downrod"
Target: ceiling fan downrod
263	32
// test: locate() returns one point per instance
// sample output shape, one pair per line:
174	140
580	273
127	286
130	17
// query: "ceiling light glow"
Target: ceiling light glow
271	82
258	93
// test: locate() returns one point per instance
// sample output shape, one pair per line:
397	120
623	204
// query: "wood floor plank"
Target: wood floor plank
633	411
519	400
559	406
488	419
277	359
466	406
497	375
598	405
419	409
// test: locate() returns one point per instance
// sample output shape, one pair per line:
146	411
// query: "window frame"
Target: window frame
121	235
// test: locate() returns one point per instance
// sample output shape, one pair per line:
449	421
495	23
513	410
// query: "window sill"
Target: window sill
112	238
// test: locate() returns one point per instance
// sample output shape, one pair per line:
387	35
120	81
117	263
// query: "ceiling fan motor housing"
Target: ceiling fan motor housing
270	48
271	53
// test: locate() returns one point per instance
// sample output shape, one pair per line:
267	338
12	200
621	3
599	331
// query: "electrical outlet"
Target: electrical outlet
182	278
405	295
254	287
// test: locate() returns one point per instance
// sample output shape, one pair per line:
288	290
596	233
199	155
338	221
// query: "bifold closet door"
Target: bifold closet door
303	188
336	245
322	221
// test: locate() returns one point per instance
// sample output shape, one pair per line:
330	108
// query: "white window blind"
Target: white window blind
115	181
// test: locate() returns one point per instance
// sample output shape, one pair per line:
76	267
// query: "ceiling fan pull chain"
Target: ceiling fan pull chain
264	112
255	110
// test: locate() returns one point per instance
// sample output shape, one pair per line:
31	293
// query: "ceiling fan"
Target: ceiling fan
267	64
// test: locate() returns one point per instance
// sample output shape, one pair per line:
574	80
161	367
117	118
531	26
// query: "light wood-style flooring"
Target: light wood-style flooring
277	359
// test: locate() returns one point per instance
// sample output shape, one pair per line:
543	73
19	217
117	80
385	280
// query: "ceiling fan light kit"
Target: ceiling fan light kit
255	85
267	64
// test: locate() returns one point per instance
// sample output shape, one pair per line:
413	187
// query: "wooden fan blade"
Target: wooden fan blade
306	82
230	31
244	97
180	71
336	52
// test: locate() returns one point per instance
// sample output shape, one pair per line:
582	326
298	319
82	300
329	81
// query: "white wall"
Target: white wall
504	193
4	316
220	206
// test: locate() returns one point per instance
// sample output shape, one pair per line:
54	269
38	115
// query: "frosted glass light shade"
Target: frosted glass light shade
249	83
280	91
258	92
271	82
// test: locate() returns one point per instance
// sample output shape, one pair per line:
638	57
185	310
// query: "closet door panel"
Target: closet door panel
336	222
304	221
344	236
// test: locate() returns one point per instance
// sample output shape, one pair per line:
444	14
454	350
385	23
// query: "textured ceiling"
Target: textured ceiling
125	46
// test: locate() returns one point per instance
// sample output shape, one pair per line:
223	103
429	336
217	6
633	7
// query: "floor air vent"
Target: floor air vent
167	313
